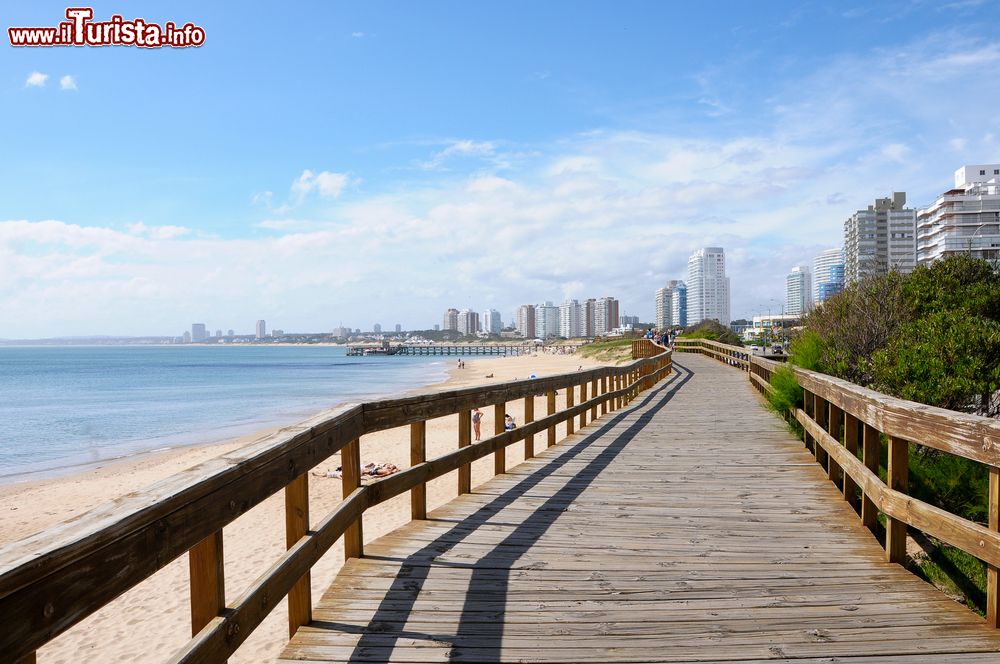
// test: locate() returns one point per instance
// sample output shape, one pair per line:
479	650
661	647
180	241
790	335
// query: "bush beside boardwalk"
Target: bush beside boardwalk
933	337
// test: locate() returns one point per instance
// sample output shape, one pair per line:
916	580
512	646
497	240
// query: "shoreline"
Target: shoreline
153	617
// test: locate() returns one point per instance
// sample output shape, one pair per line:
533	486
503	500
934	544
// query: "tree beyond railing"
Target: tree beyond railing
53	580
843	424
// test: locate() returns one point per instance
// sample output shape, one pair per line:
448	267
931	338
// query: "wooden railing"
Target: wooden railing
844	425
53	580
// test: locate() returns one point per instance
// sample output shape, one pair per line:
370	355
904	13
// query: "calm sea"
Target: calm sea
62	407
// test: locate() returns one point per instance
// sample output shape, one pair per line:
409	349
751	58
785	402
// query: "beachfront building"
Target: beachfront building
399	328
570	319
261	329
880	239
679	305
628	321
491	322
450	321
798	290
828	274
467	322
589	309
605	315
526	321
198	332
963	220
341	332
546	320
708	286
667	298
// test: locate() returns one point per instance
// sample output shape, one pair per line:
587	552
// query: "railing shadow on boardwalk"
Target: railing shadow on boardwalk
486	586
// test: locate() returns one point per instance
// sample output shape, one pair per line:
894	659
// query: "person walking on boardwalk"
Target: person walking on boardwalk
477	419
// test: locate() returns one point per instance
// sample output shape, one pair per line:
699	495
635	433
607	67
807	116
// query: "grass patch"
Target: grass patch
617	351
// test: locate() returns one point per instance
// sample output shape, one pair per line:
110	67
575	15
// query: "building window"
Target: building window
983	172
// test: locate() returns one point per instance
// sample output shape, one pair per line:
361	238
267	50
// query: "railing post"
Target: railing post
850	488
296	527
604	390
593	395
350	461
616	385
500	454
208	581
899	471
529	416
418	455
569	404
807	407
819	409
464	440
583	399
870	453
833	427
992	573
550	399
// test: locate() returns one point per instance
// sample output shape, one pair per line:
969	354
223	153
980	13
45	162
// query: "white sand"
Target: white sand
152	620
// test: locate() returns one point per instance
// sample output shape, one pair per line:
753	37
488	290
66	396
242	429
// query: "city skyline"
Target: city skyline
595	166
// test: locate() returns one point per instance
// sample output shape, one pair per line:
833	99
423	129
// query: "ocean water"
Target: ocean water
62	407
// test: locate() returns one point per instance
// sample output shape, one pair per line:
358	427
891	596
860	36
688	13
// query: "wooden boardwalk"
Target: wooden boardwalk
688	527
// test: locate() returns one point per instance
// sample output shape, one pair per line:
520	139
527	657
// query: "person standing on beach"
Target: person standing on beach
477	419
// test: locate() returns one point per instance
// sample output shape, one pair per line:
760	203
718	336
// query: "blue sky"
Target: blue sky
318	163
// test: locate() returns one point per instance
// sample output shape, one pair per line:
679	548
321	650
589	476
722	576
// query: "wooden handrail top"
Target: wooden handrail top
962	434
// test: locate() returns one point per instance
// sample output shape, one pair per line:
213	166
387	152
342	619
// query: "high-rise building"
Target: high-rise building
667	298
679	305
828	274
492	324
399	328
261	329
341	332
198	332
218	334
450	320
546	320
628	321
437	327
377	328
963	220
468	322
798	291
570	319
231	333
186	337
708	286
589	308
526	321
605	315
880	239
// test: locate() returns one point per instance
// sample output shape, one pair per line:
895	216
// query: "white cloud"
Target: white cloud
958	144
358	35
36	79
463	148
67	82
324	183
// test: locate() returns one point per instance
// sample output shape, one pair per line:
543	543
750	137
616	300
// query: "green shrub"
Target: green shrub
807	351
786	394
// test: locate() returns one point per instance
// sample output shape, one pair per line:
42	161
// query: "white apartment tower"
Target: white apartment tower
880	239
828	274
491	322
708	286
570	319
669	301
450	321
468	322
798	291
605	315
261	329
963	220
546	320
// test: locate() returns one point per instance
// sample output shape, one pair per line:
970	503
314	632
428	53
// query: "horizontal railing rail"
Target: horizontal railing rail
54	579
843	425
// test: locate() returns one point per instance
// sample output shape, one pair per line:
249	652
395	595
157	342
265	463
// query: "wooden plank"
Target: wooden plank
418	455
851	437
206	566
350	458
833	425
604	390
569	404
583	398
296	527
898	480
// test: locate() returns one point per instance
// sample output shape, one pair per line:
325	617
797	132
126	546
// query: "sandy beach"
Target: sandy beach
152	620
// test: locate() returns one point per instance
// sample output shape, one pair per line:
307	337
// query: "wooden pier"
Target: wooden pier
677	521
457	350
